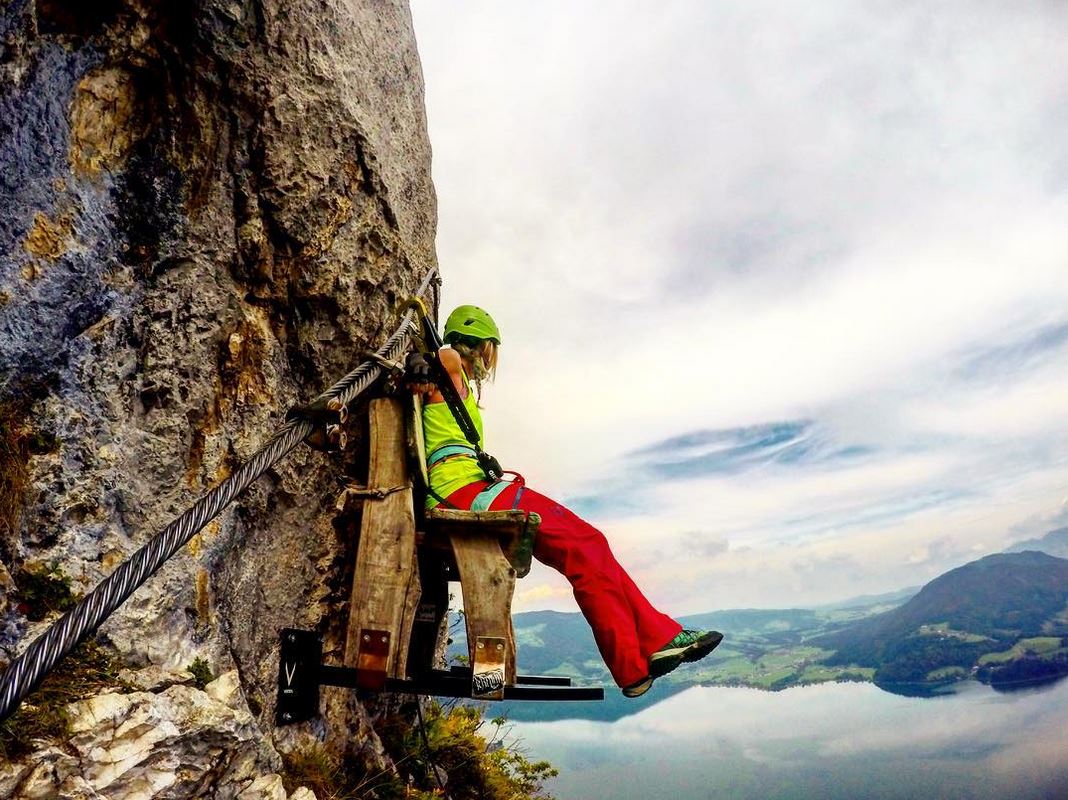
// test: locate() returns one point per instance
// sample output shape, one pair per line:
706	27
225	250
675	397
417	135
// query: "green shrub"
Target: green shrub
202	674
479	762
332	777
461	750
42	590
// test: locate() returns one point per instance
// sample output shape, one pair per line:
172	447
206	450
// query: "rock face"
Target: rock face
181	742
208	210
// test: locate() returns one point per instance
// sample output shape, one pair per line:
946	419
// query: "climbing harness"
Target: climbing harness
448	452
27	670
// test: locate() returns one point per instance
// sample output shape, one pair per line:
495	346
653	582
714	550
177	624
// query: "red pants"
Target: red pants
625	625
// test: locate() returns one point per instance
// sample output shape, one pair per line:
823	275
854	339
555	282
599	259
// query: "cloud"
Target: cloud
932	550
1030	348
1037	525
699	544
792	281
734	450
539	594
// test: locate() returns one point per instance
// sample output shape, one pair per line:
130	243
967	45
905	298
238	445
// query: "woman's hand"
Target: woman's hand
420	377
417	374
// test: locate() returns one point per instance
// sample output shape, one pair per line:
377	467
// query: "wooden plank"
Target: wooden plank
385	588
488	582
504	519
487	668
515	530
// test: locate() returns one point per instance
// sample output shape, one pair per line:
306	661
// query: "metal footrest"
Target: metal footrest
301	672
527	687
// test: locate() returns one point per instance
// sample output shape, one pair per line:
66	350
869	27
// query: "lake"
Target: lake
848	741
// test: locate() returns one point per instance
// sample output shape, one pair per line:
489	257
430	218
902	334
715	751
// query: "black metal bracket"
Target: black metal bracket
301	673
299	660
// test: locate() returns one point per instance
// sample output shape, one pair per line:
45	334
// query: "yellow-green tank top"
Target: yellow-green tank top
440	429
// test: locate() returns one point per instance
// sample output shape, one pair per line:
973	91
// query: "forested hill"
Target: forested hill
984	608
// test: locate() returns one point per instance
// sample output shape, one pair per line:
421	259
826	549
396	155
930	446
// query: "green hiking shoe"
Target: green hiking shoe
688	646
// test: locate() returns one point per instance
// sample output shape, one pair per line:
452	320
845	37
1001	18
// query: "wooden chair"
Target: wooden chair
400	588
400	592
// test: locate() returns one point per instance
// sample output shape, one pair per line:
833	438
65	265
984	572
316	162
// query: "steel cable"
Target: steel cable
26	671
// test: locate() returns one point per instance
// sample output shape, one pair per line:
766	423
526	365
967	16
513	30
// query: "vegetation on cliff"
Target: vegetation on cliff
88	670
452	751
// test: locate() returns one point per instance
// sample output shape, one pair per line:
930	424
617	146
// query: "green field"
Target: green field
943	630
947	674
772	668
1038	646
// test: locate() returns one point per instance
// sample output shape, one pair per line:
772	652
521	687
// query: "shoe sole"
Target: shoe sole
661	663
638	689
697	650
702	649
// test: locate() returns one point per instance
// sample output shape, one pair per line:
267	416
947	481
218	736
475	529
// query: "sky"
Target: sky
782	287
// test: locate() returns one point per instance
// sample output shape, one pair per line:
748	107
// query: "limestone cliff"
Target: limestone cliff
208	210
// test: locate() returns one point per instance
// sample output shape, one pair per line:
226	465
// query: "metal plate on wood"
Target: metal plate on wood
373	659
487	669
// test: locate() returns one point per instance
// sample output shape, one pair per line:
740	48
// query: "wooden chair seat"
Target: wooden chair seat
513	529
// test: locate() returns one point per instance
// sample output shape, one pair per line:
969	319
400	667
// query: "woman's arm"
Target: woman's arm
454	365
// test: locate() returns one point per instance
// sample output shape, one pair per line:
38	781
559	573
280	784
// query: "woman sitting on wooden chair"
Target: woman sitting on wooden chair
637	642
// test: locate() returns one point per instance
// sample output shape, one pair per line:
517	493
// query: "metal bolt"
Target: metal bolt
291	637
385	639
500	647
366	637
287	717
480	645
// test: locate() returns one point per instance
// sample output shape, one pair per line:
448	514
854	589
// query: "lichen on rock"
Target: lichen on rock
47	239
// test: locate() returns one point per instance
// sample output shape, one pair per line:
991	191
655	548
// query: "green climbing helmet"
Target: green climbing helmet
471	321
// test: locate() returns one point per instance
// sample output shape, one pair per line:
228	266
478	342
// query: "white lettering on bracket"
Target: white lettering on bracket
486	682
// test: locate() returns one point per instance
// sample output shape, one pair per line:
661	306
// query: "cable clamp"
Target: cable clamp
395	368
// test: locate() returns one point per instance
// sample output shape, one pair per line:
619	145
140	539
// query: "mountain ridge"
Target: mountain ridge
984	607
1055	543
